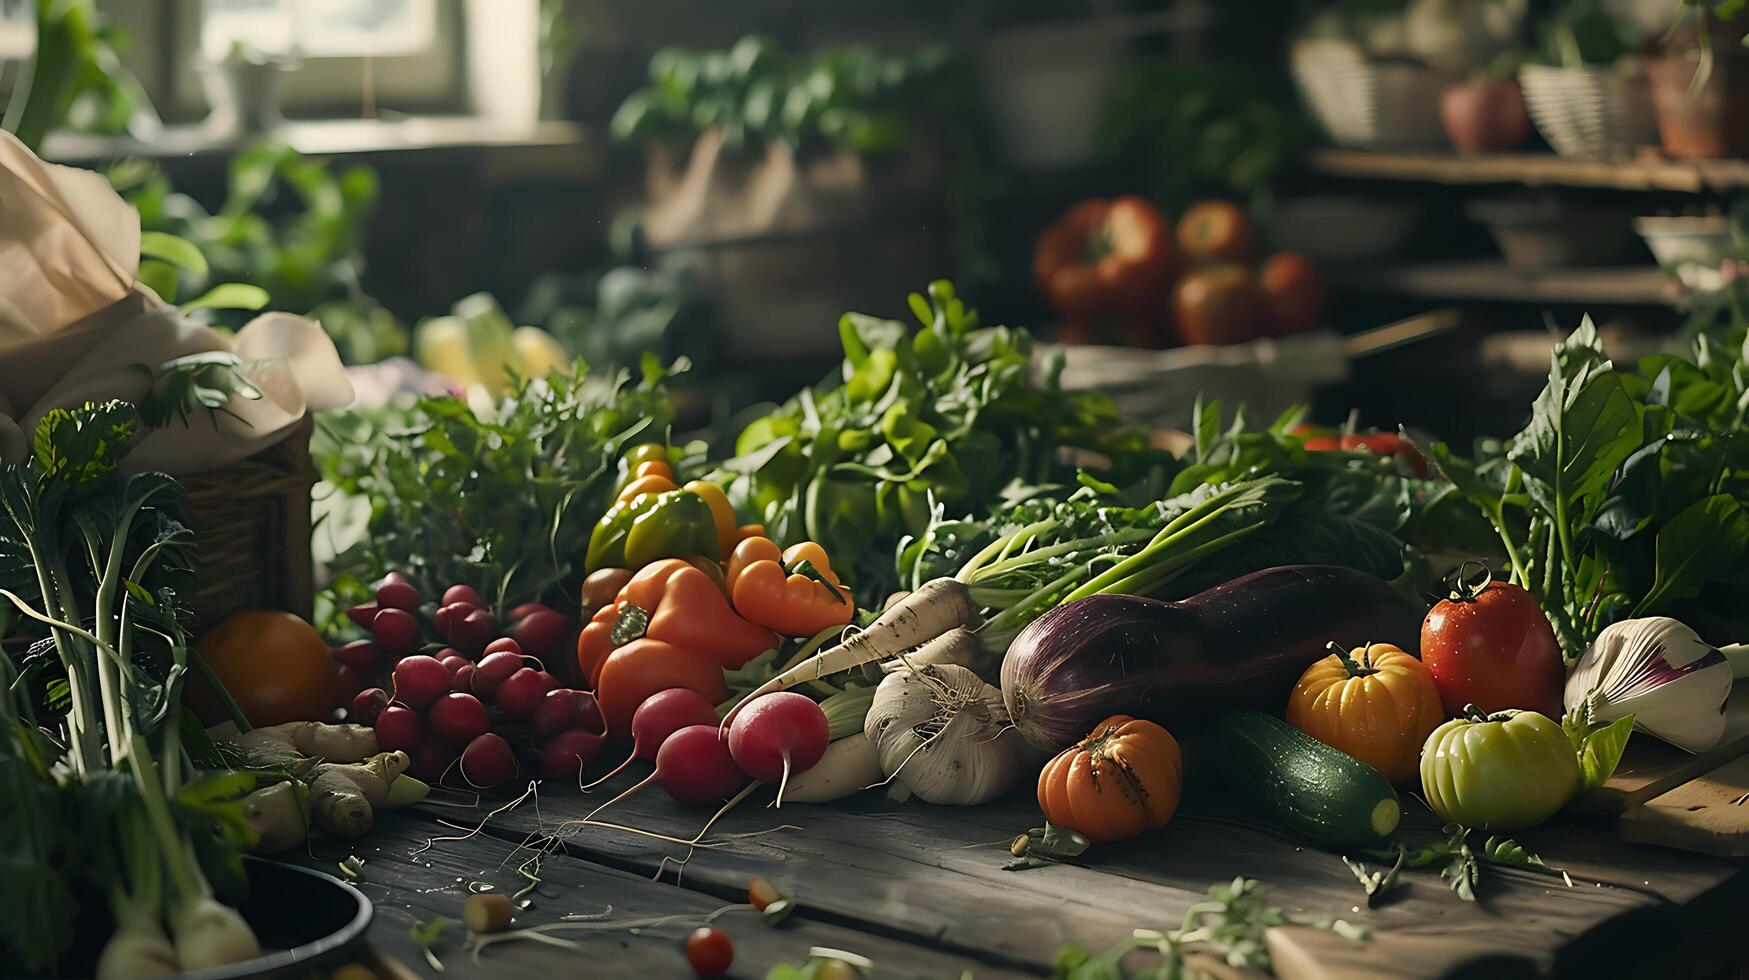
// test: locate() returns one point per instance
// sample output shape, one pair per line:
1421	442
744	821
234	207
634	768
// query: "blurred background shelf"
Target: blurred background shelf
1533	169
1495	281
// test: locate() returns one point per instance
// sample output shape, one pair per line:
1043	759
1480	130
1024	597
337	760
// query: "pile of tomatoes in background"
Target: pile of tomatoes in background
1117	270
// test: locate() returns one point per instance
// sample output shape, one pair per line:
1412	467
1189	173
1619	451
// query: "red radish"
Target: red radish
694	766
447	652
488	761
472	632
454	662
565	755
494	669
447	616
429	760
359	653
519	695
526	609
709	952
367	705
420	680
778	734
463	593
564	709
396	631
661	715
463	678
504	644
541	631
399	729
391	578
457	718
355	679
362	616
398	595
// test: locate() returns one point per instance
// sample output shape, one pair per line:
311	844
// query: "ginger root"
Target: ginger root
343	796
300	746
279	815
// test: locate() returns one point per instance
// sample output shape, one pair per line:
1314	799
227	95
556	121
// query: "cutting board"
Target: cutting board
1650	768
1709	815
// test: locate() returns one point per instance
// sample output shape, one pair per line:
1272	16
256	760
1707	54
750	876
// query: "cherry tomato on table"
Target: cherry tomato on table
709	952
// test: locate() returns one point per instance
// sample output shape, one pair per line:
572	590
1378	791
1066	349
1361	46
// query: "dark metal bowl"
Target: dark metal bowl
313	923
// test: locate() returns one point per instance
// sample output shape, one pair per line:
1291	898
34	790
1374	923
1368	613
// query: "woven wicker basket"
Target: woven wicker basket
252	528
1370	103
1593	113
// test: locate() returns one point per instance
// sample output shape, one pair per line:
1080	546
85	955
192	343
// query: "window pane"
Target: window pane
319	28
17	32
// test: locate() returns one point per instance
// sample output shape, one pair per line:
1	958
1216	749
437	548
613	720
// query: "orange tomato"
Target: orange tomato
1376	703
1217	231
274	665
1120	780
1293	294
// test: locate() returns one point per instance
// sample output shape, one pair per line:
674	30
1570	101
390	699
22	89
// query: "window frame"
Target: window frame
166	49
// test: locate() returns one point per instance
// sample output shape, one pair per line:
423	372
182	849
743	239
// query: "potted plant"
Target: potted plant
1586	88
1700	82
768	169
1485	113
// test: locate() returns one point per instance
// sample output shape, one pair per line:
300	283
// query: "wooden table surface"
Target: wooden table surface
920	890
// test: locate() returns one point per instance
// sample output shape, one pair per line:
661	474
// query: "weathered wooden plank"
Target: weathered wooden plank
408	882
917	871
1706	815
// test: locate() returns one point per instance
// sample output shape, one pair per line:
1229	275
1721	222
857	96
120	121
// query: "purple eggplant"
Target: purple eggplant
1240	644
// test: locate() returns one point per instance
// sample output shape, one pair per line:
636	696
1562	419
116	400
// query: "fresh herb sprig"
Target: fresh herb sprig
1229	923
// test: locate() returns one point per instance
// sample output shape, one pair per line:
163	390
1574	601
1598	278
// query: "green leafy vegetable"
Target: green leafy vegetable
502	500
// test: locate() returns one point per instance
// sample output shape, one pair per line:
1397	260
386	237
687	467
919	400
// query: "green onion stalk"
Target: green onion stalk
1026	572
69	508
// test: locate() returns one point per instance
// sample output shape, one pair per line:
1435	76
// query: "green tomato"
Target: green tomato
1500	772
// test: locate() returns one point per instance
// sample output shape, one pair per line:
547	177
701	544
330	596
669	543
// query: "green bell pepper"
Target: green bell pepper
607	543
679	525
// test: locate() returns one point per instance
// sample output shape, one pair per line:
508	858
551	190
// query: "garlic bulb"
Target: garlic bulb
944	734
1660	671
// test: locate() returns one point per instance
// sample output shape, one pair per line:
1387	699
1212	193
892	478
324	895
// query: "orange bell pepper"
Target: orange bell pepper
673	603
765	589
644	667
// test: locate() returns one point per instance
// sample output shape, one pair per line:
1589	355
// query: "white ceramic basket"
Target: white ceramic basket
1592	112
1369	103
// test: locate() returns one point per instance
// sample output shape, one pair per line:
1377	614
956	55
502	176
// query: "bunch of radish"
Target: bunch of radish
777	736
448	706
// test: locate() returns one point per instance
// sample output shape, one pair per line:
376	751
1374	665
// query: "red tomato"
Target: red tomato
709	952
1293	294
1493	647
1217	305
1217	231
1388	444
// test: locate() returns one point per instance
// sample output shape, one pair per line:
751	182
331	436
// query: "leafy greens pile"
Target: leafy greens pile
947	415
501	498
1623	497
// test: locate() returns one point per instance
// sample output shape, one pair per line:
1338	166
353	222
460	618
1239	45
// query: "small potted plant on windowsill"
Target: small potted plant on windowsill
1700	81
1586	89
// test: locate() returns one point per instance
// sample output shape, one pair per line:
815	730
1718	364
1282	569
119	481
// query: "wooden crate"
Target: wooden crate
252	528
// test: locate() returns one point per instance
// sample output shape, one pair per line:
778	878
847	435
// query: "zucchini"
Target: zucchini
1327	797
